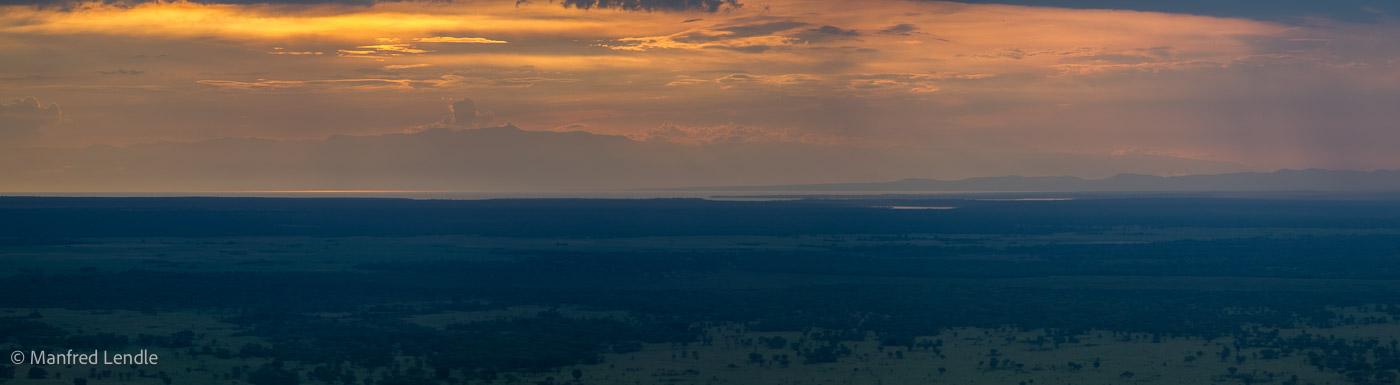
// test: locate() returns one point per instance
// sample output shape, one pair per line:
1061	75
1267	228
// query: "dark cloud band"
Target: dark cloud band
1273	10
655	5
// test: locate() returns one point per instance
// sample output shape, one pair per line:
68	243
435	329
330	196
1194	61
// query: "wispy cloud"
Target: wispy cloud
887	72
449	39
406	66
656	5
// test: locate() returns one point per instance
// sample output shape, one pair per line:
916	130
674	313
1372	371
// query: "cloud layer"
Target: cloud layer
655	5
879	75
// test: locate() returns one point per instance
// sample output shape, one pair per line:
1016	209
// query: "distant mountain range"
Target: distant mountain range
510	159
1281	180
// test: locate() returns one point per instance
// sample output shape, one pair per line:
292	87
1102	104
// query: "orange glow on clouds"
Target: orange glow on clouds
251	22
880	71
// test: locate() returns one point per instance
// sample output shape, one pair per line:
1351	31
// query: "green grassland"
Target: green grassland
456	285
727	358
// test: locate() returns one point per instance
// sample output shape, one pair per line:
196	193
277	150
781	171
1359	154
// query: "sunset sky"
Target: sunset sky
1086	88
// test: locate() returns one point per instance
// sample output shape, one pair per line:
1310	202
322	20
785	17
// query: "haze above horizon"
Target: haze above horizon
504	95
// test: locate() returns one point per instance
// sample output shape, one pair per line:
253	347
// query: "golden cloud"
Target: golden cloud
449	39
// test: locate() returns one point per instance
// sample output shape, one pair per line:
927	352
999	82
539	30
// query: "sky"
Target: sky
242	94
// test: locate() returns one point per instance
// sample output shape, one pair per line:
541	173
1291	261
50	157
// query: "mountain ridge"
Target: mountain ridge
1312	179
510	159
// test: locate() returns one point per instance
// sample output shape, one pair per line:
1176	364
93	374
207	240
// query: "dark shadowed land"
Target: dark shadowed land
1004	289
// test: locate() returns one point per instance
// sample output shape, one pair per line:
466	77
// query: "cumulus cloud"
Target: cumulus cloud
464	114
21	118
461	114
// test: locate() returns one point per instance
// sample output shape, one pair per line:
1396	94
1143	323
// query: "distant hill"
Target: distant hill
509	159
1281	180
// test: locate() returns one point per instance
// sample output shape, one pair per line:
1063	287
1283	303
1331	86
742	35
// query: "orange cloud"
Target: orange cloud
448	39
263	22
891	70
